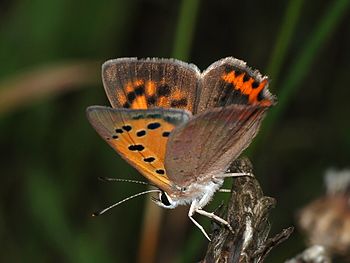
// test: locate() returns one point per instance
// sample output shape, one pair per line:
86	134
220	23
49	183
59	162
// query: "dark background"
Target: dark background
51	53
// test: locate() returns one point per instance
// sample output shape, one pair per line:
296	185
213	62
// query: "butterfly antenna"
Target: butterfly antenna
109	179
124	200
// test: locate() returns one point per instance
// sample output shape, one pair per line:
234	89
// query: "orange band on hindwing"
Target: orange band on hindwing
248	86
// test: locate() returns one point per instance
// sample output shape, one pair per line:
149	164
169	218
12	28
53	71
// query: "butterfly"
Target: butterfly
179	127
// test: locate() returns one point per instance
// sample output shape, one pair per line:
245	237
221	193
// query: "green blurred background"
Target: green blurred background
51	52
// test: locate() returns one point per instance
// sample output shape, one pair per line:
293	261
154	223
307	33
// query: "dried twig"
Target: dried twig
247	213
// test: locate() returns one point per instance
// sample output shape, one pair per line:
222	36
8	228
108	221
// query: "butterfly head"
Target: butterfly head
178	196
164	200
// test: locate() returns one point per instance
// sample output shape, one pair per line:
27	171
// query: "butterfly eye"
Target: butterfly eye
164	199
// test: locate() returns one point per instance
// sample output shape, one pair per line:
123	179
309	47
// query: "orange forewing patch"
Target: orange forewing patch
143	145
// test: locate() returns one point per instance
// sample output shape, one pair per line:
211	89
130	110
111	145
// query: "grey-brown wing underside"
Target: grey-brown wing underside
147	83
206	145
230	81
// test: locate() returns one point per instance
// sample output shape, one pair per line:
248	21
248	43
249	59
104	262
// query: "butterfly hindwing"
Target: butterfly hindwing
230	81
205	146
139	136
146	83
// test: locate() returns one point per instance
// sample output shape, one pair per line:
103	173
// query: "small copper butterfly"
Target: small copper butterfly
181	128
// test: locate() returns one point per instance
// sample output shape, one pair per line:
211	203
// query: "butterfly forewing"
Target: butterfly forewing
146	83
139	136
206	145
230	81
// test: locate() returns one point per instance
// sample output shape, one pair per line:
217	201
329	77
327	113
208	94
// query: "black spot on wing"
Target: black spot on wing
141	133
153	125
115	137
118	130
163	91
255	84
261	95
232	96
151	100
238	73
126	105
166	134
136	147
179	103
160	171
127	128
131	96
149	159
229	68
140	90
246	77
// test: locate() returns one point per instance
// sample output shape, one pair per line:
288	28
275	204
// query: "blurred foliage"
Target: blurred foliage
51	52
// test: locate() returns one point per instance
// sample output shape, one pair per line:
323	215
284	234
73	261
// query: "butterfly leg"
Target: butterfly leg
224	190
215	217
191	212
233	175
